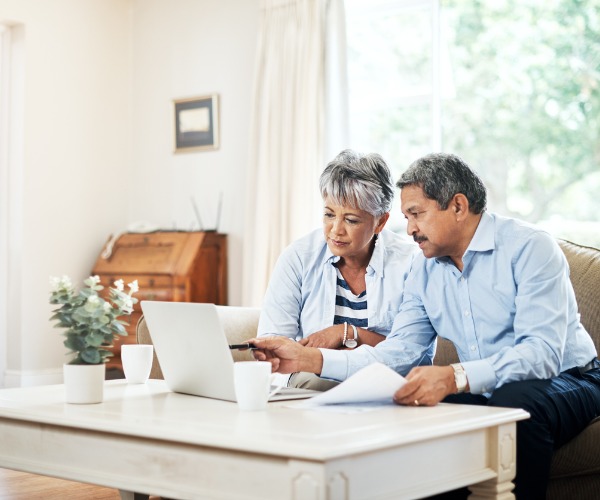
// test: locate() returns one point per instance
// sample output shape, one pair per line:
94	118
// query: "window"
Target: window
11	176
4	106
512	87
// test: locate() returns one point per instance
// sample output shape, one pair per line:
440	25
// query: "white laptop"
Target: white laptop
193	352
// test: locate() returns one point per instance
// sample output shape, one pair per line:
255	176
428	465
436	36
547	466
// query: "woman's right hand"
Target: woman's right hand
328	338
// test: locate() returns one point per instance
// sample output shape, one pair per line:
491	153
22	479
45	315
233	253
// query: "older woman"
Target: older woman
341	286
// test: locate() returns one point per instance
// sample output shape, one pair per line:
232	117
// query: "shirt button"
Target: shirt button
473	348
467	313
462	278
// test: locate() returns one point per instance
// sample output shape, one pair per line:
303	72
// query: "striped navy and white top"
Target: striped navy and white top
349	308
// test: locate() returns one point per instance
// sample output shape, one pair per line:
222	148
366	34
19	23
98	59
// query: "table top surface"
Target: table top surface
152	411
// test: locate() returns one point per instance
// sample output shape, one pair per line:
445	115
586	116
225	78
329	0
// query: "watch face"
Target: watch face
351	343
460	378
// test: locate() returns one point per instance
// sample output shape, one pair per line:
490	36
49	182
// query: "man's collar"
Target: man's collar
483	239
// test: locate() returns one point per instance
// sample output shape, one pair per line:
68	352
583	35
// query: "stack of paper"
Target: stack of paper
376	383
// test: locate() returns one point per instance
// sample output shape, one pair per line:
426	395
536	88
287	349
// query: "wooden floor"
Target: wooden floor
22	486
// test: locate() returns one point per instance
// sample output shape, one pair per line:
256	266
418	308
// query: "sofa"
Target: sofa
575	470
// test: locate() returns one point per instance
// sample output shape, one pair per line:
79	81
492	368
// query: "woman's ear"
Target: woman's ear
381	223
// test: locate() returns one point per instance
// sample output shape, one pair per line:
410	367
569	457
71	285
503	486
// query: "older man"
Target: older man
499	289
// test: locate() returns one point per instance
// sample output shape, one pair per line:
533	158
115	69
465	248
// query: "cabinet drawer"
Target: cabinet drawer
154	294
144	282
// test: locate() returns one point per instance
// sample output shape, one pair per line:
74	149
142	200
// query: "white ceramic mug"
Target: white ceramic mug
252	383
137	362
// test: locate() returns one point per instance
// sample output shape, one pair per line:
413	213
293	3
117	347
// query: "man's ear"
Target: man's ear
460	205
382	221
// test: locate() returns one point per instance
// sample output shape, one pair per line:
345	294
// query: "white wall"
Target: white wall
99	79
186	48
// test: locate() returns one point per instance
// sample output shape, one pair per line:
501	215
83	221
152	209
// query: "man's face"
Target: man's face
435	230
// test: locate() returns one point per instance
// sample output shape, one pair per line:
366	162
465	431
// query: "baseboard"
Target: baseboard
30	378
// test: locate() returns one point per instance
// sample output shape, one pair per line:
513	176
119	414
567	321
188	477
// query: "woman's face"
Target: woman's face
349	231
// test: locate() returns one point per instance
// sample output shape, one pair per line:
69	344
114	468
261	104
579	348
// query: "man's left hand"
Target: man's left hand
426	386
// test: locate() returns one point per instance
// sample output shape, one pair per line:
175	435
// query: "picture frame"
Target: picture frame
196	123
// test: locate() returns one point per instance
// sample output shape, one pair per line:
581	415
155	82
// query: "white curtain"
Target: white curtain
288	132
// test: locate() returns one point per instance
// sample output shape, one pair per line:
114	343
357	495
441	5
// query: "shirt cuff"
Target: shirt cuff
335	364
480	375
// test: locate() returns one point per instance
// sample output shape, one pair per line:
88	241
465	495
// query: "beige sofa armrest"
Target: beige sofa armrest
143	337
239	325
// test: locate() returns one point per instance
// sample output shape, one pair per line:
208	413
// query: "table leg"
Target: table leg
131	495
503	459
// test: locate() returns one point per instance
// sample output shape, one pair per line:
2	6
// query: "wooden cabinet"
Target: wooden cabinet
173	266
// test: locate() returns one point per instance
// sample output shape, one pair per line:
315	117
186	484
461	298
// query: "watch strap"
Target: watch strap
460	377
351	343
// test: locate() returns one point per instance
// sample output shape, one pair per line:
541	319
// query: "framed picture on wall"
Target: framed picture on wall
196	123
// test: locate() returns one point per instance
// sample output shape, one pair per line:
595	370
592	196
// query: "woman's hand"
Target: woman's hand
333	336
328	338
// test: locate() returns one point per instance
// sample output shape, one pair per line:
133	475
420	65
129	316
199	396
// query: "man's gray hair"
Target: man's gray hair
441	176
360	181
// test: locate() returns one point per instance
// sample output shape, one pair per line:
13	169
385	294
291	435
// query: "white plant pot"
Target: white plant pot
84	384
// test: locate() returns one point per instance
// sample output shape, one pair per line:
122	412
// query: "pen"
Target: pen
242	346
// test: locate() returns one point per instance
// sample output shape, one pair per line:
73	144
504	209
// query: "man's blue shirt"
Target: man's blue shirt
511	312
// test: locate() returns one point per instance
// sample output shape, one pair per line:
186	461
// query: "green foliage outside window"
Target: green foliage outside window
519	86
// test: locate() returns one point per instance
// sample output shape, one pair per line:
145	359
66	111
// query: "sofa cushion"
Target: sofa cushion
445	353
584	264
579	456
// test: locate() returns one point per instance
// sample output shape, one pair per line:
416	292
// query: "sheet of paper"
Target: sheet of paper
374	383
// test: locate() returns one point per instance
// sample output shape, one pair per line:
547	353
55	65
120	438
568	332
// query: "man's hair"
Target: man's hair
441	176
361	181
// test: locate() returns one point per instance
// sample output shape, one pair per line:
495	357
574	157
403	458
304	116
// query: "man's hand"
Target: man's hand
287	356
329	338
426	386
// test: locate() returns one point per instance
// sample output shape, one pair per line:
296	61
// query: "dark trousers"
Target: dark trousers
560	408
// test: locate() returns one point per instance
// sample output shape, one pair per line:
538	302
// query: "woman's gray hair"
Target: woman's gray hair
441	176
360	181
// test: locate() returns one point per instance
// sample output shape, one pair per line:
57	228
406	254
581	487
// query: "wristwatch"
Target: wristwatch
460	377
353	342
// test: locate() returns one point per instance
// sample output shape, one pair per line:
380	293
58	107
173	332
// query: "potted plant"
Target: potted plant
91	325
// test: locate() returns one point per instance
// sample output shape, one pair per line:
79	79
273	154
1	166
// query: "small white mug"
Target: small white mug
137	362
252	383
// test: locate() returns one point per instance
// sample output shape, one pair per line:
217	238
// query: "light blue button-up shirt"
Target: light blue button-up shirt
511	313
300	299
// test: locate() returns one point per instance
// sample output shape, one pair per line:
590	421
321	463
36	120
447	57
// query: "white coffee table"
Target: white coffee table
146	439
